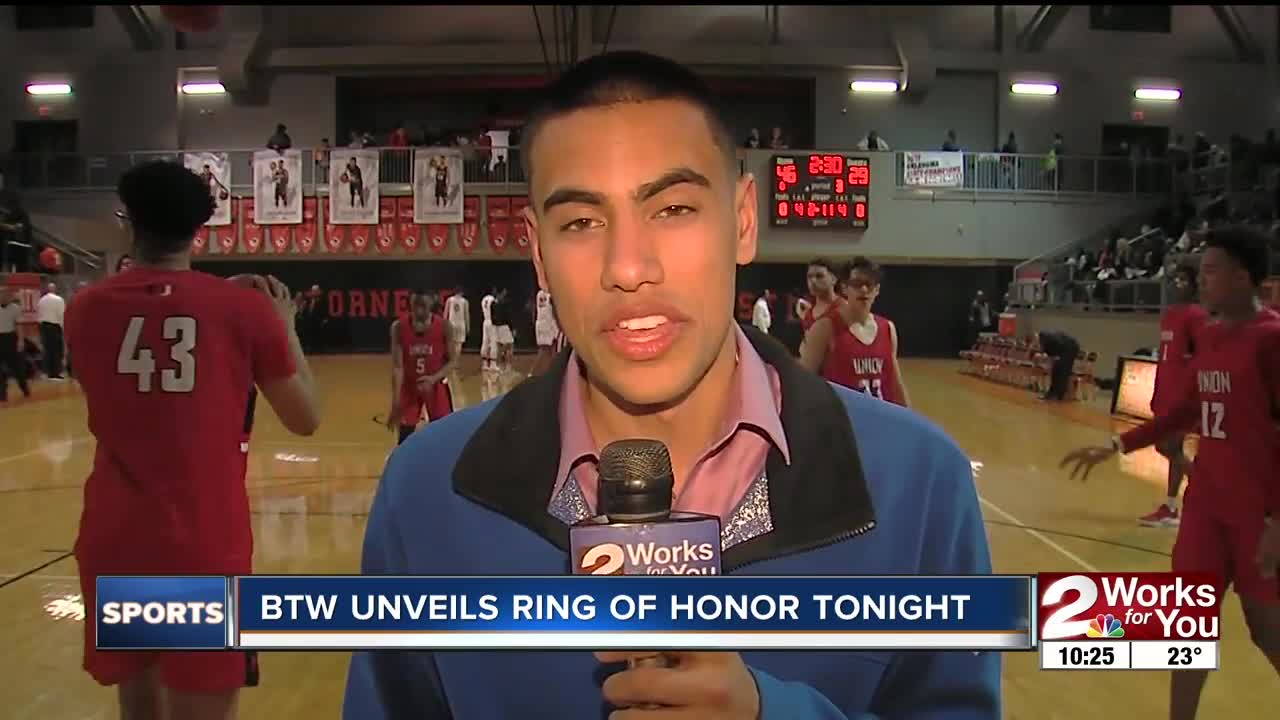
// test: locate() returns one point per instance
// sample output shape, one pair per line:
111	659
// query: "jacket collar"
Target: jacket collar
509	463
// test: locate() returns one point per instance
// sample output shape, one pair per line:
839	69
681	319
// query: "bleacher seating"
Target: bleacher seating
1019	362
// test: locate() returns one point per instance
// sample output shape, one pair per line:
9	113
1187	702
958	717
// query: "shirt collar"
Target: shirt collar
756	401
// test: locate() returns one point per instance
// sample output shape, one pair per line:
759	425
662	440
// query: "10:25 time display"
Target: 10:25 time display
1082	656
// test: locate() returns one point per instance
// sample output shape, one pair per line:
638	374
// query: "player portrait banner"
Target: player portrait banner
693	612
933	169
353	187
215	171
277	187
437	186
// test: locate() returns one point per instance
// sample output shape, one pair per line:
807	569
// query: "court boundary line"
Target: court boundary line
1053	545
34	570
37	451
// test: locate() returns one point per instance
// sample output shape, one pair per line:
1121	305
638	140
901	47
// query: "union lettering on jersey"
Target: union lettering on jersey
865	367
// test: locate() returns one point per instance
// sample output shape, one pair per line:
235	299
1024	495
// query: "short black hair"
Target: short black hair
1245	245
827	263
166	204
625	77
1187	270
865	265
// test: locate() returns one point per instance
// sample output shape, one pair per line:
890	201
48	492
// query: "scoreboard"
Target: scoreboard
820	190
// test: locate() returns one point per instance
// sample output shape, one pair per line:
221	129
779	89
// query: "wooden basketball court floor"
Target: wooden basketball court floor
311	495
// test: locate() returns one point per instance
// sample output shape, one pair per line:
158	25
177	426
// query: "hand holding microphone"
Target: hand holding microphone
635	496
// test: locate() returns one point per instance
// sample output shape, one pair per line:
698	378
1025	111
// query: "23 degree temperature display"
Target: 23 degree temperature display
820	191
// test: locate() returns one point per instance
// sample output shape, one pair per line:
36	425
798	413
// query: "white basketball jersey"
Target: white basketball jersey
486	303
544	315
457	310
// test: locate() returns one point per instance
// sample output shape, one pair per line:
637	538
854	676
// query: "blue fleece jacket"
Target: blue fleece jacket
927	522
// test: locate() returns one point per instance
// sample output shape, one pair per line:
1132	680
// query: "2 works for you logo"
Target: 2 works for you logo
1128	606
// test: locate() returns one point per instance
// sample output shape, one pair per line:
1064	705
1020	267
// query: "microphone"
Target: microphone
635	532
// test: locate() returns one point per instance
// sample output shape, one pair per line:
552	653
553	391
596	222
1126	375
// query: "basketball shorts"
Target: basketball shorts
458	331
185	672
488	343
1207	544
437	401
545	334
502	335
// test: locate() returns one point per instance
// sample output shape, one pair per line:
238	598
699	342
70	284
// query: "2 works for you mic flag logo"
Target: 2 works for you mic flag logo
215	171
277	187
353	187
1128	606
437	186
683	544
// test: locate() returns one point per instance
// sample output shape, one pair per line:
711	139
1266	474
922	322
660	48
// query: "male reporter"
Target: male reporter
638	219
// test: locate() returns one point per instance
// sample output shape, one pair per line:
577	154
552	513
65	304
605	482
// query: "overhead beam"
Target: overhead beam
1247	49
142	33
243	54
1043	24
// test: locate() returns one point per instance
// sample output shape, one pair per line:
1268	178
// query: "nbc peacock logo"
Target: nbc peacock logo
1105	626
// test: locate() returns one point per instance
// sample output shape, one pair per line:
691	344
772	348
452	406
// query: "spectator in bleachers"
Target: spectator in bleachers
16	243
354	142
280	140
322	161
1010	146
979	317
753	140
1200	151
950	144
499	173
776	140
484	150
399	137
873	142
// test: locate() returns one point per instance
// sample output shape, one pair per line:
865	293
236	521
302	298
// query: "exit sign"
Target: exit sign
1139	116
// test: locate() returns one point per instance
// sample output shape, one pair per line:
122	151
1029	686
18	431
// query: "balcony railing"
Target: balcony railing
101	171
1066	175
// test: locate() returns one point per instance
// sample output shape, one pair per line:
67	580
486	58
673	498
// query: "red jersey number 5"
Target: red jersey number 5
420	366
141	362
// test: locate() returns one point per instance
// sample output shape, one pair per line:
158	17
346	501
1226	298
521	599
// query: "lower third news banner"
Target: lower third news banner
564	613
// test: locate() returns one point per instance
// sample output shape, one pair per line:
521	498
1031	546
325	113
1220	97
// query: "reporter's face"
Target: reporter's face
638	223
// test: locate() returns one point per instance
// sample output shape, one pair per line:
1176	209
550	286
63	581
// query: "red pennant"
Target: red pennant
499	211
519	228
200	241
385	237
280	237
252	230
438	237
360	237
333	234
306	239
410	232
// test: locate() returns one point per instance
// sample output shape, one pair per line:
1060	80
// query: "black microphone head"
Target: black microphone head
636	481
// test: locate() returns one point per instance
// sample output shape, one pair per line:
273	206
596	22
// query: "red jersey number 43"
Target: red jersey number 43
140	361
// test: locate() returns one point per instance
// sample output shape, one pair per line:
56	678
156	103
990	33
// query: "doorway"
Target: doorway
1154	138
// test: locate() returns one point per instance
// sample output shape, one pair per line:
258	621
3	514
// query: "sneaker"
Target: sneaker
1162	516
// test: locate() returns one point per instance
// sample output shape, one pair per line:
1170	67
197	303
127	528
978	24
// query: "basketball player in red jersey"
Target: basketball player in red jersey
174	352
1179	324
821	277
851	346
1231	516
420	361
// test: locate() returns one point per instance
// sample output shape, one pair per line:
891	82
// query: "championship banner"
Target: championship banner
215	171
520	228
499	210
385	238
249	223
438	237
469	231
307	230
333	234
277	187
437	186
410	231
584	612
933	169
353	187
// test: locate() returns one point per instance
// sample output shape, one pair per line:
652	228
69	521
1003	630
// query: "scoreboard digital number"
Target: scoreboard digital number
820	191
